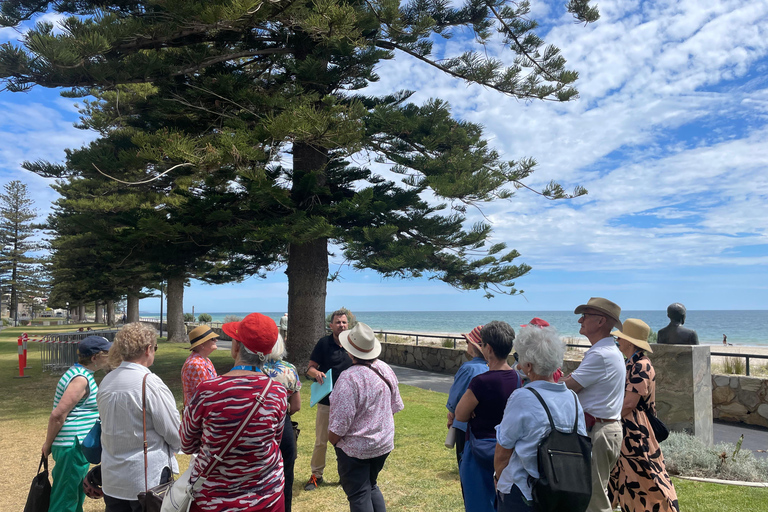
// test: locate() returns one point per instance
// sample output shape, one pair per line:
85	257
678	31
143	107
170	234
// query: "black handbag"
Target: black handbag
39	496
660	430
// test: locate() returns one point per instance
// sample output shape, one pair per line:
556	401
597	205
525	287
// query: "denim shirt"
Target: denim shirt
461	380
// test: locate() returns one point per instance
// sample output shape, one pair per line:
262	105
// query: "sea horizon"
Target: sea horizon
742	327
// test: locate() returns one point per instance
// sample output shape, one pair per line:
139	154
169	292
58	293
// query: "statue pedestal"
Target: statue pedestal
684	388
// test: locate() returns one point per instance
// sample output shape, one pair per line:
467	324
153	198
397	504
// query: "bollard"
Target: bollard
21	361
24	339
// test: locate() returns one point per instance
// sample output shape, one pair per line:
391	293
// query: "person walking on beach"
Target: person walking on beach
725	340
467	371
675	333
328	354
599	382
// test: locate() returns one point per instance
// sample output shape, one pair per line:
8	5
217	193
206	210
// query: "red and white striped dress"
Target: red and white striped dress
250	478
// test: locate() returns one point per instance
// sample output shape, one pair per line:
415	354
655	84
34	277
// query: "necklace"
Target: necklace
246	368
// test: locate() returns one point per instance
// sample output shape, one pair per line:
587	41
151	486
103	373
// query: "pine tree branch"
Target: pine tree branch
520	47
141	182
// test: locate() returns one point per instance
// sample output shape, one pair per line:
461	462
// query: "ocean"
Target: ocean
745	328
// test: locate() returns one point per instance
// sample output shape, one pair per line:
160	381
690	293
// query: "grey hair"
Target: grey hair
542	347
251	358
278	351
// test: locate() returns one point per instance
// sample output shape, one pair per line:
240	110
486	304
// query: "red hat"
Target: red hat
474	336
538	322
257	332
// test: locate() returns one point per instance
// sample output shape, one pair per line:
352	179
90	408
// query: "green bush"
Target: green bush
232	318
734	366
189	317
24	322
688	456
204	317
447	343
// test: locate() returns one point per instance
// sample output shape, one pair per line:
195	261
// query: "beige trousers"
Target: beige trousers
321	440
606	447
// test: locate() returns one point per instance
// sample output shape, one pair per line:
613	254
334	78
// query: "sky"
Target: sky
669	135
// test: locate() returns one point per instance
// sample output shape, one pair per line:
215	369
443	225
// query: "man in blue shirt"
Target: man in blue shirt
475	366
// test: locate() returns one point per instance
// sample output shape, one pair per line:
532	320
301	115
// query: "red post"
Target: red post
24	339
21	361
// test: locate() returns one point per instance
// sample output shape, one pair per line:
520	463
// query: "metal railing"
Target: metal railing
417	336
58	351
747	357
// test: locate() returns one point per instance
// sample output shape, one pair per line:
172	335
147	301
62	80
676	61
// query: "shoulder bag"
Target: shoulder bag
40	491
660	430
179	496
91	445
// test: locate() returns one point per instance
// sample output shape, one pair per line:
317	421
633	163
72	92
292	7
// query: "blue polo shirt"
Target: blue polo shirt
525	425
461	380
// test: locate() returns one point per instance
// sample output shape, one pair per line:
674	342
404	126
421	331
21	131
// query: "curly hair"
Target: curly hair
131	342
542	347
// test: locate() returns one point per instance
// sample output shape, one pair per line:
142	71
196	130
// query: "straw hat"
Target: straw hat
604	306
636	332
200	335
361	342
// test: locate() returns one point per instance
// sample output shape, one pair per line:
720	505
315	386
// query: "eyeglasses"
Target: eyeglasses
584	315
154	347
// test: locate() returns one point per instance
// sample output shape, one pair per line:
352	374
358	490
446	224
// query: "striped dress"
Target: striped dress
81	419
250	477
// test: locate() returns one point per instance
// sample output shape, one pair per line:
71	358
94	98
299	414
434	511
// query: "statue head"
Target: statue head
676	313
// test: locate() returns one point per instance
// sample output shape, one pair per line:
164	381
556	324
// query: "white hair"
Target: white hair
278	351
542	347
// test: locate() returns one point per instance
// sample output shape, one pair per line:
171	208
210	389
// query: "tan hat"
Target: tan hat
604	306
200	335
636	332
361	342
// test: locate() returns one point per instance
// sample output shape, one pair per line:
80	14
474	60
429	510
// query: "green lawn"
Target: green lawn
420	474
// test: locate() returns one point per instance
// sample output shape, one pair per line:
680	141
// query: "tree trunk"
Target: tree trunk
111	313
99	314
307	279
177	333
133	306
81	313
308	262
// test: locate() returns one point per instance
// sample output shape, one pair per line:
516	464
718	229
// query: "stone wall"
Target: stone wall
423	357
740	398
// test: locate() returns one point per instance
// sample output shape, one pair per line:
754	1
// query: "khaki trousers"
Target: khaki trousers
606	447
321	440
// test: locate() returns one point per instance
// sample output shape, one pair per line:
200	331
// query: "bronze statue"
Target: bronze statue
675	333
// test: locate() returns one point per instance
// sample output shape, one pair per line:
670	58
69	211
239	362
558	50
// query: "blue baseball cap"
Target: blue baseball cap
92	345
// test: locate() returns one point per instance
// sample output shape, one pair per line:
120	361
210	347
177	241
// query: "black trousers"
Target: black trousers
358	479
288	450
118	505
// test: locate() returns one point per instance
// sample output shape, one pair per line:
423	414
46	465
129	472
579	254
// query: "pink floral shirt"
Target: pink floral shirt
362	409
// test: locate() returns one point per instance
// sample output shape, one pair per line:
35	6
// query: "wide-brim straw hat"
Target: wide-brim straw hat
200	335
361	342
636	332
608	308
474	337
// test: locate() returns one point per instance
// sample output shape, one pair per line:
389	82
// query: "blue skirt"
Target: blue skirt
477	483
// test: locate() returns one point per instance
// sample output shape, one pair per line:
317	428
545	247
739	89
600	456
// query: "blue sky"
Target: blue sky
669	135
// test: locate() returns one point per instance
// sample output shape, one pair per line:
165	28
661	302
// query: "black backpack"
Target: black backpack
565	468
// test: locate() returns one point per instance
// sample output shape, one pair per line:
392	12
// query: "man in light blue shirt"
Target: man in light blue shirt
475	366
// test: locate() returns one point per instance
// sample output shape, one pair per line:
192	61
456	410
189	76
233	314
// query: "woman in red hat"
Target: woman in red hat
249	477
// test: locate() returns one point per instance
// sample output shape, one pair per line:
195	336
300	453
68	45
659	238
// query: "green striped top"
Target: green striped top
83	416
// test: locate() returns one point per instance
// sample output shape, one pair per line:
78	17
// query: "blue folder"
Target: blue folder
319	391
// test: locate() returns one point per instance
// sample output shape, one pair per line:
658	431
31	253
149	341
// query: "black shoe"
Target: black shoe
313	483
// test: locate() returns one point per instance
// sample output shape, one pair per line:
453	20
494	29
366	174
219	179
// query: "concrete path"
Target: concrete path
755	438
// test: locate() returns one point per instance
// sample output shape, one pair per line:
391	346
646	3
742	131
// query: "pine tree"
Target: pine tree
17	266
272	79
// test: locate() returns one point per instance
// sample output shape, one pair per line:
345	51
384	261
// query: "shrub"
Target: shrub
204	317
734	366
189	317
232	318
653	336
447	343
689	456
24	322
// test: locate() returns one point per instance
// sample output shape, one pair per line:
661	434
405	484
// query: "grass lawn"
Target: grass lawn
420	474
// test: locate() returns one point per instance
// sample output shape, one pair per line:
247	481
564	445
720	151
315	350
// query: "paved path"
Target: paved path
755	438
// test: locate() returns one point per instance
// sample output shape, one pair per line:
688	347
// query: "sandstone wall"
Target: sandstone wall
740	398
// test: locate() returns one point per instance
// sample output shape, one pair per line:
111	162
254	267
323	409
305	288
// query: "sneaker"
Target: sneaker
313	483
